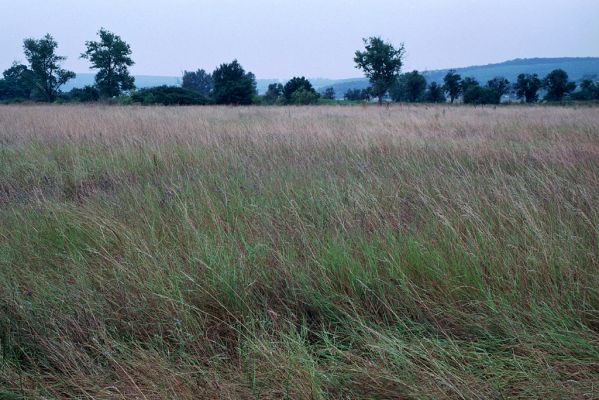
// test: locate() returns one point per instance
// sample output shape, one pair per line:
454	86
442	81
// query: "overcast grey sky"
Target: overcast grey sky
315	38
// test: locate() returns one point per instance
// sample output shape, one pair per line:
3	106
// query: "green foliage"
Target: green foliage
232	85
273	94
452	84
82	95
44	73
557	85
435	93
468	82
381	63
527	86
199	80
589	90
303	96
329	94
357	95
499	84
15	86
410	87
476	94
111	56
168	95
299	90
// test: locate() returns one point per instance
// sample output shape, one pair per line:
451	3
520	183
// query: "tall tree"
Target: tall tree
381	63
46	76
111	56
527	87
232	85
452	85
435	94
199	80
557	85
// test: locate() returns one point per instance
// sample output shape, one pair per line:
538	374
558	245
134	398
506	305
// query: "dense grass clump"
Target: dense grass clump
331	252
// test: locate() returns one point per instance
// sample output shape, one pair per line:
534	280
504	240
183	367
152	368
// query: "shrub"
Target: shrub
168	95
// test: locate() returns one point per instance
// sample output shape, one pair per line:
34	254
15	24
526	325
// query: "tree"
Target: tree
111	57
452	85
232	85
435	94
527	86
304	96
589	90
295	84
200	81
476	94
557	85
15	84
469	82
45	74
381	63
273	93
409	87
357	95
499	84
329	94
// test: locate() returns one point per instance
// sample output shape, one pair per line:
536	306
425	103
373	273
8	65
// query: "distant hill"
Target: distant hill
576	67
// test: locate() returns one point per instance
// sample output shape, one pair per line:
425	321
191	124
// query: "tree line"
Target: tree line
42	77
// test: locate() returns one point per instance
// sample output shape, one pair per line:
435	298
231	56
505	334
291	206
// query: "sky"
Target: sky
315	38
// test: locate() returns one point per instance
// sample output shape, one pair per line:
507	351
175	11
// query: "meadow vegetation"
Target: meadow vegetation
299	252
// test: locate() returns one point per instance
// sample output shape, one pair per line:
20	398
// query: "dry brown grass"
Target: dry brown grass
309	252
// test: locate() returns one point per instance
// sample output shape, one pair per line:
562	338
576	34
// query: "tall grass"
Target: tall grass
305	253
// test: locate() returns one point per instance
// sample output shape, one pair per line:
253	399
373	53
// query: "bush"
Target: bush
481	95
168	95
81	95
299	90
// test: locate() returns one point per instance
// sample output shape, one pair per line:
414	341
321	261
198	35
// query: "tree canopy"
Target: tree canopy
452	85
527	86
299	90
557	85
381	63
232	85
199	81
111	56
44	73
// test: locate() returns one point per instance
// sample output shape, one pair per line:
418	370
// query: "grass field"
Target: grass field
301	253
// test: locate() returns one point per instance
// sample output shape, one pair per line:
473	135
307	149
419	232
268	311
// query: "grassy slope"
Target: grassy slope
299	252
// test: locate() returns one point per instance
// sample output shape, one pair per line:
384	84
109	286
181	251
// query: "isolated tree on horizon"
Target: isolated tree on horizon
44	72
111	56
452	85
199	81
557	85
232	85
381	63
527	87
